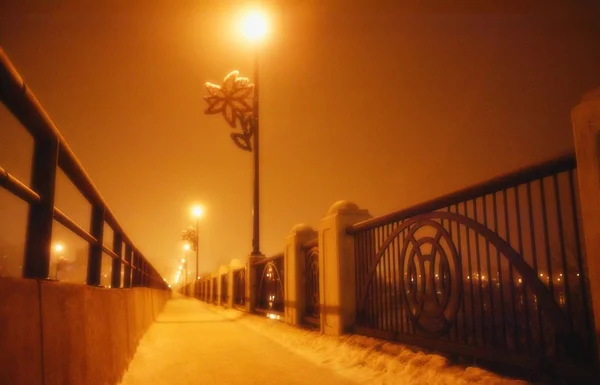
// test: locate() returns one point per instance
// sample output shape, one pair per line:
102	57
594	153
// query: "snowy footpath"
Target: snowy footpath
192	342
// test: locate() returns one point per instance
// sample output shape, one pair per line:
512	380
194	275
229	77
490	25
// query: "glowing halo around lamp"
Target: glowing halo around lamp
254	26
197	211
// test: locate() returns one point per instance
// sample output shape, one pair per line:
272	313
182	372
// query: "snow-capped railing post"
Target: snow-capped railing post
294	266
337	267
586	135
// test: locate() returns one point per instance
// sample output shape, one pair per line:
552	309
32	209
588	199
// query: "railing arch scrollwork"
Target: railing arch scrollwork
427	304
270	296
496	270
311	252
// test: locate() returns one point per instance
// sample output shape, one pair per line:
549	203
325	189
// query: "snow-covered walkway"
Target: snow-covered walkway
192	342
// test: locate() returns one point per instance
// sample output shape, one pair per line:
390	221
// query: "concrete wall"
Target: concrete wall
59	333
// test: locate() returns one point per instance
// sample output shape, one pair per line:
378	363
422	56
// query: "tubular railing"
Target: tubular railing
269	274
495	271
51	152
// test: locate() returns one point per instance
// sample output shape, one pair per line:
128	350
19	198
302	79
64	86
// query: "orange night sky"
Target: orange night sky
383	104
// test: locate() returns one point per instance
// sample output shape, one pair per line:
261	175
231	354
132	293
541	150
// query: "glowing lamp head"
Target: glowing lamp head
254	26
183	260
186	247
58	248
197	211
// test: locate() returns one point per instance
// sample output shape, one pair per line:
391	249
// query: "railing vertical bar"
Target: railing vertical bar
378	270
463	297
127	274
546	236
451	232
388	296
116	263
40	216
359	244
381	278
535	264
363	277
395	278
94	266
357	263
369	285
472	297
511	274
479	276
499	264
409	325
374	298
563	251
401	282
523	287
135	273
489	274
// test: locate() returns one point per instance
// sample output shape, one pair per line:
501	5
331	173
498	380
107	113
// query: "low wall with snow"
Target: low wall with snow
60	333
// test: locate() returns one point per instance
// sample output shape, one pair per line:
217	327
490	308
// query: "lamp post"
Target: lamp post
231	100
58	248
184	263
197	212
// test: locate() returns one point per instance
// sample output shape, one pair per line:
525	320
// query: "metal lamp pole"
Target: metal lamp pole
197	251
231	100
256	201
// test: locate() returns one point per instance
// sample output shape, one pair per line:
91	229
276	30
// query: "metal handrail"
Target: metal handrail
18	188
560	163
22	103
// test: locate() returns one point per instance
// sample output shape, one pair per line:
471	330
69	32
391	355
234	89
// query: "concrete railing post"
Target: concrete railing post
337	282
586	133
295	275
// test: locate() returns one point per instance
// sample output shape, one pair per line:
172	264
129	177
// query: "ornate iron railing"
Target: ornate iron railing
311	254
214	291
495	271
269	273
224	290
239	287
207	290
51	153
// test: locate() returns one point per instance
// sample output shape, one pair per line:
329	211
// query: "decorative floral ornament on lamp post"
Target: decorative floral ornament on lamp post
191	236
231	99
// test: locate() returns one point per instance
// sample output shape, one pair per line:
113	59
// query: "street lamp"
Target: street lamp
183	267
60	260
231	100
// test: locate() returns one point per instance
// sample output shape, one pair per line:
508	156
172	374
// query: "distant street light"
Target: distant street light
197	212
61	261
231	100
